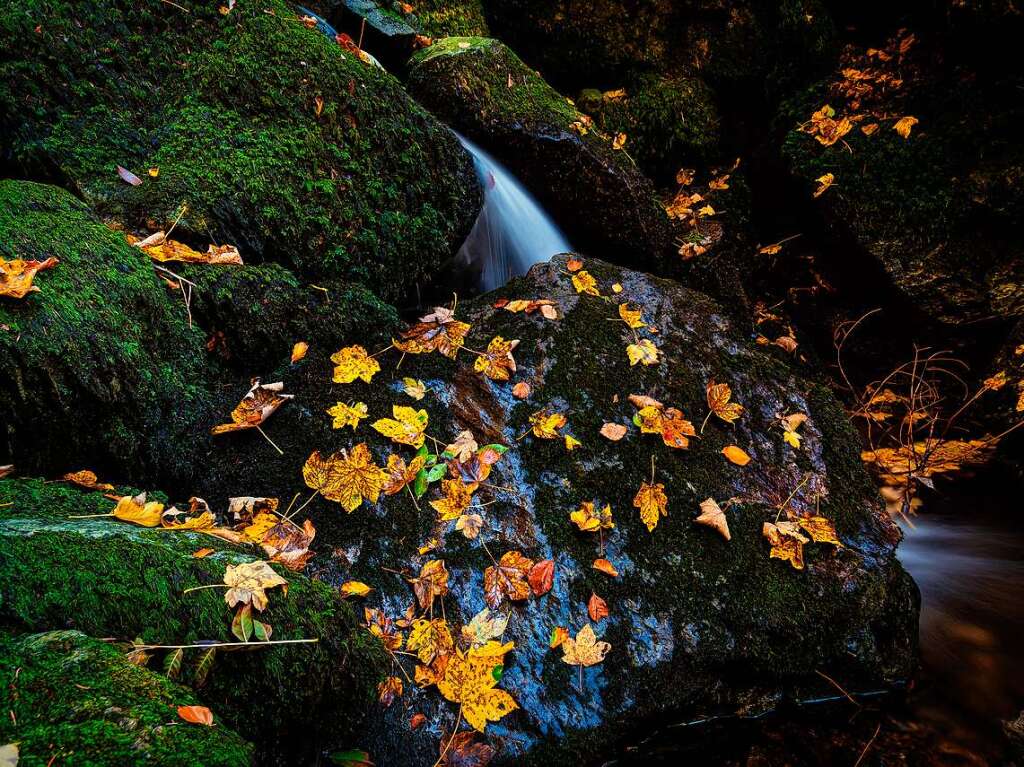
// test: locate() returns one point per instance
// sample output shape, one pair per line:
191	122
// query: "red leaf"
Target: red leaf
416	720
597	608
196	715
542	577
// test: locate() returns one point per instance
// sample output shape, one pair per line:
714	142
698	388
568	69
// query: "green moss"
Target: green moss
669	122
112	579
101	346
446	18
372	188
77	701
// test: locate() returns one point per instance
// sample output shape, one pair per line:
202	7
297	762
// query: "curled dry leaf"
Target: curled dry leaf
824	182
196	714
718	397
571	443
6	470
790	424
353	362
464	446
389	690
414	387
432	582
469	525
16	276
438	331
597	608
259	403
201	553
711	514
589	521
584	282
613	431
736	455
904	125
787	542
497	363
83	478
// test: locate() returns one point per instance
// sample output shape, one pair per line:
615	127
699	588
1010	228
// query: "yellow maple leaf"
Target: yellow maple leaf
414	388
633	318
585	649
457	497
348	415
432	582
584	282
589	521
718	396
824	182
498	363
354	589
786	541
571	443
904	125
407	426
354	477
619	141
248	583
16	276
430	639
652	502
469	680
400	474
546	425
820	529
644	352
353	362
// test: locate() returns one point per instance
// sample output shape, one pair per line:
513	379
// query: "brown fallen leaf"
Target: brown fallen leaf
508	579
201	553
597	608
16	276
259	403
87	479
521	390
711	514
613	431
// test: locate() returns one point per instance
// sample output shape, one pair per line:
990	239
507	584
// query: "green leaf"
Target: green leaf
172	663
203	667
420	484
499	449
353	758
241	626
262	630
437	472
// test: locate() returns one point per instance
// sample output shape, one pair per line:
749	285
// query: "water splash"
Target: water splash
512	232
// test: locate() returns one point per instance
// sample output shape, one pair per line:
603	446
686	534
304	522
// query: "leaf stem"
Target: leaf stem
451	740
210	586
268	439
224	644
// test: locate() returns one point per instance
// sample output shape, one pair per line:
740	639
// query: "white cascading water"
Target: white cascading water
512	232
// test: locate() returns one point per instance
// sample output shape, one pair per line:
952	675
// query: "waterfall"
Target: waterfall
512	232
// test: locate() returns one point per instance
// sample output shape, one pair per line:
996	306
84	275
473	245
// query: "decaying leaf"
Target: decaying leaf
904	125
389	690
787	542
498	363
644	351
790	424
711	514
718	396
605	567
353	362
457	497
546	425
248	583
432	582
383	628
632	317
652	502
597	608
159	248
354	589
613	431
485	626
463	448
469	525
414	388
401	475
507	579
463	749
352	478
430	639
259	403
589	521
16	276
438	331
407	426
824	182
469	680
585	649
83	478
584	282
348	415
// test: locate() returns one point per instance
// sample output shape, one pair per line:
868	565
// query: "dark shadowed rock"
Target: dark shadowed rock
595	193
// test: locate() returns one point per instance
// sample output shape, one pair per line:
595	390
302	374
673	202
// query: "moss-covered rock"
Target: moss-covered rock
697	623
275	138
940	211
75	700
606	206
111	579
100	365
670	123
452	18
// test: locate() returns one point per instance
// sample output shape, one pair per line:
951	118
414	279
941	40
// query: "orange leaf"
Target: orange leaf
597	608
606	567
542	577
196	715
613	431
202	553
736	455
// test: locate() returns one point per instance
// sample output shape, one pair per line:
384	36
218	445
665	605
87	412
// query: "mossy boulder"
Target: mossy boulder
595	193
697	623
274	137
100	365
75	700
112	579
452	18
939	212
670	122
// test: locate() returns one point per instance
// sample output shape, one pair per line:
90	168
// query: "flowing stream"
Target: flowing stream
512	232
